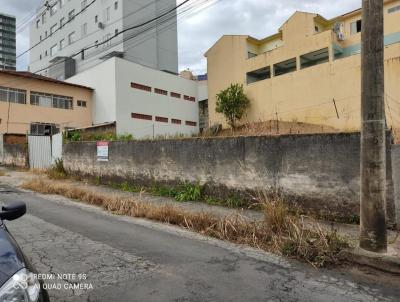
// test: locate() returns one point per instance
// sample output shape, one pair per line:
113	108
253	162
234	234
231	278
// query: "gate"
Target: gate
39	152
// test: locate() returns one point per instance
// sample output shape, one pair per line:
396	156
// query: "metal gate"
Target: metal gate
56	147
39	152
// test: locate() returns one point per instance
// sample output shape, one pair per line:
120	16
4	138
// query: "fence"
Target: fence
44	150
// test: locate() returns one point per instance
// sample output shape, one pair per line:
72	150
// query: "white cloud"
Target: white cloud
198	32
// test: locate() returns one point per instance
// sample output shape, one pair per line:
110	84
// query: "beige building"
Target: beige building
307	71
34	104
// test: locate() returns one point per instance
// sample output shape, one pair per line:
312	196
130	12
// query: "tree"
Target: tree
232	103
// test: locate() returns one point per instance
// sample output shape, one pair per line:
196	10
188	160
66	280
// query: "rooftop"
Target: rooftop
30	75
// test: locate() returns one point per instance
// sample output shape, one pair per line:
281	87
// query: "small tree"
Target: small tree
232	103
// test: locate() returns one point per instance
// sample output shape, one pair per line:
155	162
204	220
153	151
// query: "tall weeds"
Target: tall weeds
279	232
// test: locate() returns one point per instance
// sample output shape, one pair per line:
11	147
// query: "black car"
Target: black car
18	282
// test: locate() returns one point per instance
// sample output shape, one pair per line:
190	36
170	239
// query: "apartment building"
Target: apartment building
64	27
7	42
309	71
144	102
38	105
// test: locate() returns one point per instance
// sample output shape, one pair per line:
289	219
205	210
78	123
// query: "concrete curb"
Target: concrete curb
382	262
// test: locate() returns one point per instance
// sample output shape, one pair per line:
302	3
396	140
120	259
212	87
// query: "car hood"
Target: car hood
11	257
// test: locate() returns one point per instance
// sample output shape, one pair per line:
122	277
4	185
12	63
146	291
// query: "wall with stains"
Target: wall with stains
321	173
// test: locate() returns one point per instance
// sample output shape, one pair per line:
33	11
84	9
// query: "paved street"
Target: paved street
126	259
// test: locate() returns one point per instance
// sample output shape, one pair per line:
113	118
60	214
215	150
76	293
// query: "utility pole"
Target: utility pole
373	235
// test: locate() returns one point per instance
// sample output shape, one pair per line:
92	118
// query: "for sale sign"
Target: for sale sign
102	151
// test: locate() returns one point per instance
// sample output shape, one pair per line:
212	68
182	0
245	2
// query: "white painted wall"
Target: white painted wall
102	79
157	49
115	99
132	100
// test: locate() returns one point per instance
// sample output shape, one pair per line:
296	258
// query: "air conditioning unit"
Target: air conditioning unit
101	25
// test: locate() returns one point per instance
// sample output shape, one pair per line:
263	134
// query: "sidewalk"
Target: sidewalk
348	231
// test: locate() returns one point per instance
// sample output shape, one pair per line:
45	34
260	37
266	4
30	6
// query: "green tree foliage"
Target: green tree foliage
232	103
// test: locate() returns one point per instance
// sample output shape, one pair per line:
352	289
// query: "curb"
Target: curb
382	262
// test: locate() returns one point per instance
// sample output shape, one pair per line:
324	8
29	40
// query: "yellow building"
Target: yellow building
34	104
307	71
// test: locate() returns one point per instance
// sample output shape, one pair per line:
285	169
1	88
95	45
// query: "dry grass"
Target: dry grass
280	232
2	173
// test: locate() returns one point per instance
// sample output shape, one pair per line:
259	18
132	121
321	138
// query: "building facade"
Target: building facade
65	27
144	102
7	42
310	71
33	104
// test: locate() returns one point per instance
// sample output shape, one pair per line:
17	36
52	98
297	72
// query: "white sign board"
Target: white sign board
102	151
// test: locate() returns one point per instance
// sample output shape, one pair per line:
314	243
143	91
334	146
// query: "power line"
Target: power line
59	28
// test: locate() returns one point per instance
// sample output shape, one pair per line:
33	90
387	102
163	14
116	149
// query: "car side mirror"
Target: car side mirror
13	211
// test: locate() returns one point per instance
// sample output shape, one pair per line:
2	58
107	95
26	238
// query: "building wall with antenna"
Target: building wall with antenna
326	94
101	21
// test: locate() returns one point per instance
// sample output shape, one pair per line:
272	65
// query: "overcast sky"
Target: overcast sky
198	31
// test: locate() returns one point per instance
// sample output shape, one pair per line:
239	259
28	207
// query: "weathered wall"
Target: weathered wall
319	172
15	155
396	179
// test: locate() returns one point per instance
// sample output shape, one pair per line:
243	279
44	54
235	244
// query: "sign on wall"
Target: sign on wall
102	151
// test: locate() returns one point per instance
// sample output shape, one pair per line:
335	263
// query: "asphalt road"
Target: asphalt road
126	259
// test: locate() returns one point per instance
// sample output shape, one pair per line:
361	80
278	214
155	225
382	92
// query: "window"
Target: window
45	33
37	23
12	95
84	29
40	37
141	87
161	119
44	129
81	103
62	2
116	31
62	44
53	50
40	56
186	97
96	19
355	27
45	53
142	116
176	95
62	22
176	121
192	99
51	100
314	58
71	15
258	75
108	14
116	5
53	29
71	38
84	4
107	40
285	67
189	123
160	91
53	9
44	18
394	9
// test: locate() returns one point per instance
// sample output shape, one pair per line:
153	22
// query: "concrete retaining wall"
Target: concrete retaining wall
15	155
319	172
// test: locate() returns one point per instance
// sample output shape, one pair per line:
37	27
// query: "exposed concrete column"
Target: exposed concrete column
373	235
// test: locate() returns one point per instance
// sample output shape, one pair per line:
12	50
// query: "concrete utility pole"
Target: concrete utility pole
373	235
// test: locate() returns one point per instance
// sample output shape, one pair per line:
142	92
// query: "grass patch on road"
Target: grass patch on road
279	232
2	173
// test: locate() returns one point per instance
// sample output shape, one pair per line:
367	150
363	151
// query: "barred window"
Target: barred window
142	116
51	100
160	91
141	87
161	119
176	95
176	121
189	123
12	95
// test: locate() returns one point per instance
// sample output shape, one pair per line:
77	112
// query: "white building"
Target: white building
142	101
68	26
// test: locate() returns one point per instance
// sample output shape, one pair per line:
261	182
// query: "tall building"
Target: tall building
63	28
7	42
308	72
